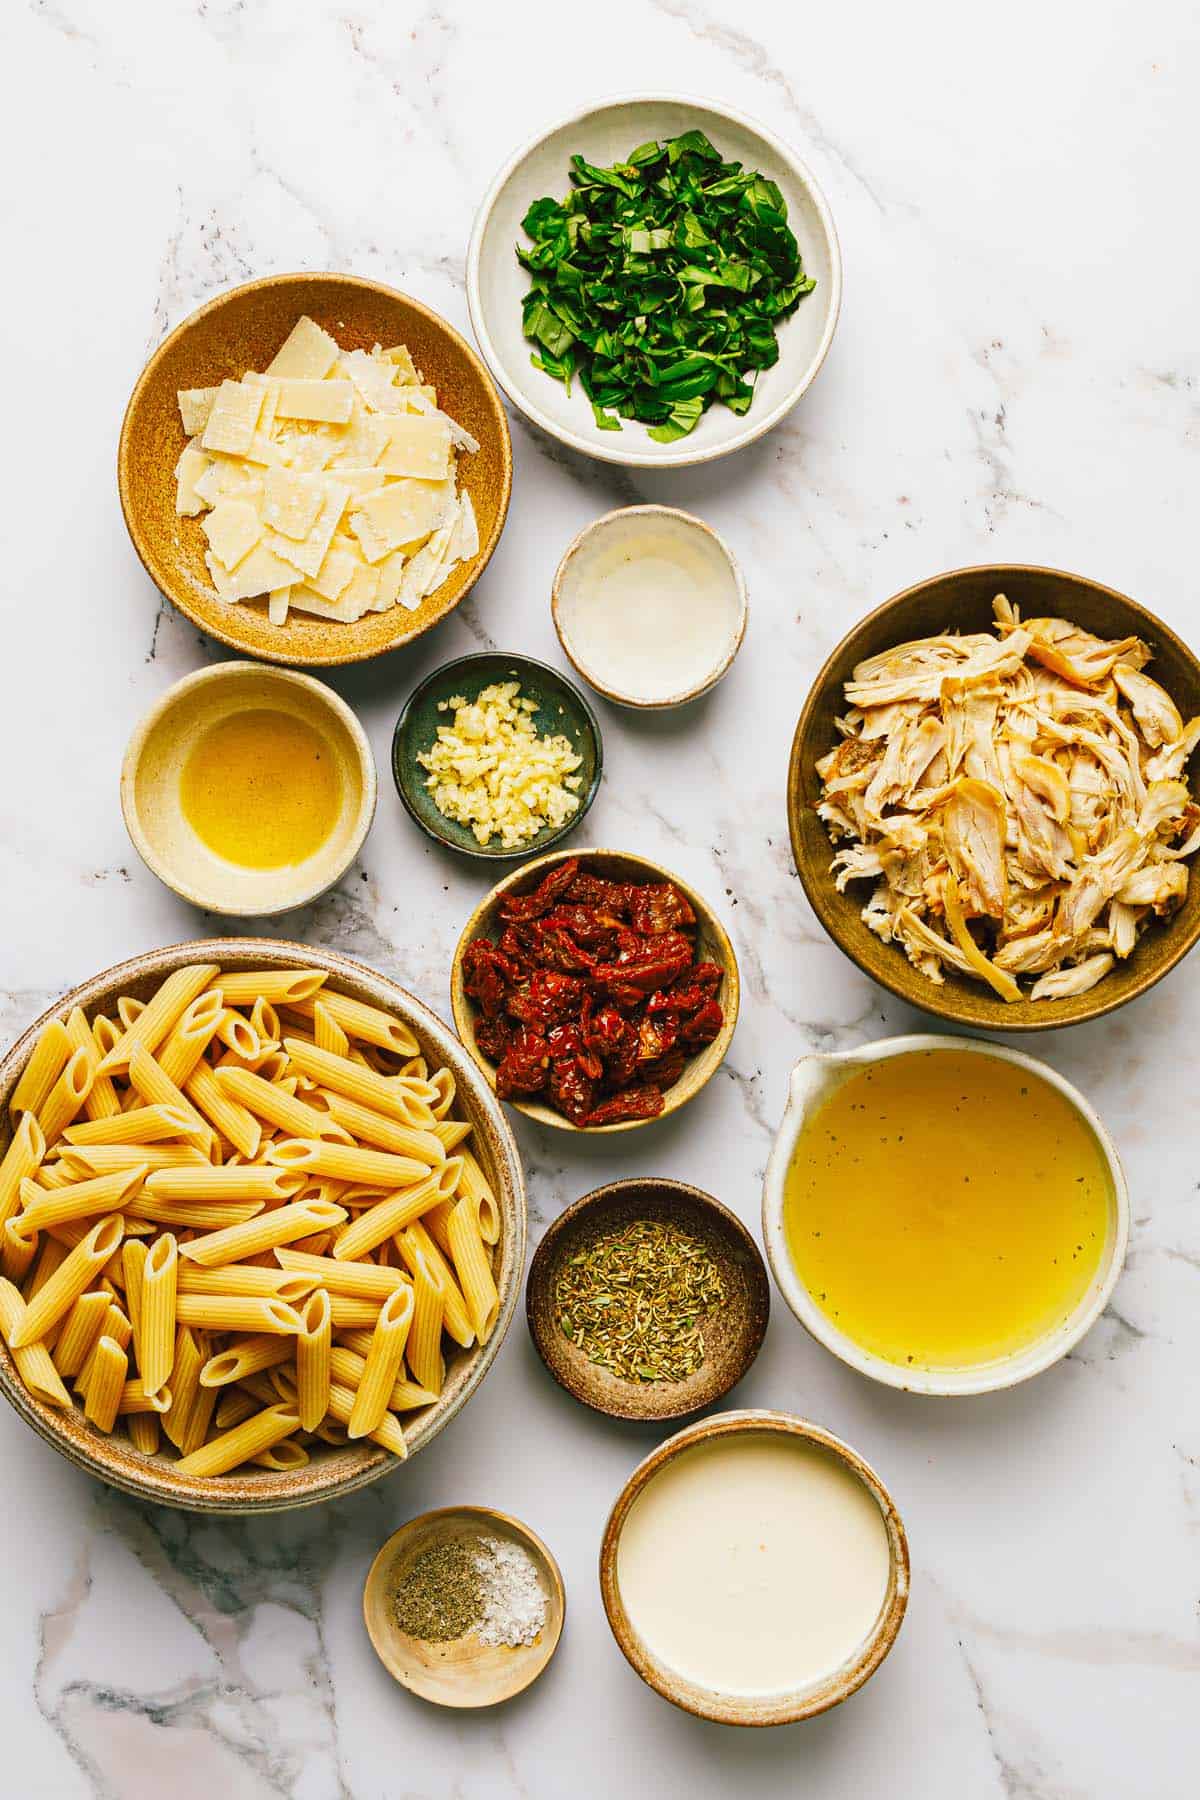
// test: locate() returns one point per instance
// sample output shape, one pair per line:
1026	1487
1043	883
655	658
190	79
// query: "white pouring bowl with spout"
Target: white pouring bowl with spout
813	1080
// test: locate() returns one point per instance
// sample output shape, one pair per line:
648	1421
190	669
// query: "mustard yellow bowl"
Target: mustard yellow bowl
330	1472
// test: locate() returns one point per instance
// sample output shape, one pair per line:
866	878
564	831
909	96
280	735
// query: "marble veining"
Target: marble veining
1015	376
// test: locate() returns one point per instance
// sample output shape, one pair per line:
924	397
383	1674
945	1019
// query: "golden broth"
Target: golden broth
945	1208
262	788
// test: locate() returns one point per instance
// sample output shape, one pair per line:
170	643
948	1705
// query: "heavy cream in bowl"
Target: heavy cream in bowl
650	606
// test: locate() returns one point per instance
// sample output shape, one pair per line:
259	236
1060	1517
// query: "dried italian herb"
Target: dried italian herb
633	1301
659	281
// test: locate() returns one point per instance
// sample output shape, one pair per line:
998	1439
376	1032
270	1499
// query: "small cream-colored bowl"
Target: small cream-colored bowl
813	1080
777	1708
153	767
462	1673
577	600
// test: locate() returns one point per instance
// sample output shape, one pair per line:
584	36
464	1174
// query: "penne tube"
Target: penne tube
80	1330
154	1022
267	1100
383	1363
232	1407
131	1259
260	1432
18	1247
109	1366
347	1365
53	1175
364	1280
265	1020
313	1348
248	1358
377	1128
101	1101
444	1084
260	1387
239	1035
268	1057
327	1033
236	1312
230	1119
436	1221
101	1159
78	1200
140	1125
358	1020
350	1312
128	1009
66	1096
52	1256
197	1425
190	1358
242	1181
284	1457
278	987
105	1033
193	1215
47	1060
415	1244
354	1080
473	1184
388	1217
33	1363
283	1226
69	1281
155	1339
115	1325
349	1162
451	1132
190	1036
150	1082
73	1233
473	1269
144	1432
243	1278
388	1432
330	1432
135	1399
24	1154
425	1334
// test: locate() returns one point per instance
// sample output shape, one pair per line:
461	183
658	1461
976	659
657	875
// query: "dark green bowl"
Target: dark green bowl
561	708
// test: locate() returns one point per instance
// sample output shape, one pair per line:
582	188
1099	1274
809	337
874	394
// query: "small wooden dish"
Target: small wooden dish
739	1708
240	330
732	1336
561	710
712	944
962	601
464	1673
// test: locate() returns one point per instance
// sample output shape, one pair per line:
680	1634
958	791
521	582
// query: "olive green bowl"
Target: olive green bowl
961	600
561	711
331	1472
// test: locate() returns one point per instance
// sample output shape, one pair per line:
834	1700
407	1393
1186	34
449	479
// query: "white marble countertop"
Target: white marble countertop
1015	377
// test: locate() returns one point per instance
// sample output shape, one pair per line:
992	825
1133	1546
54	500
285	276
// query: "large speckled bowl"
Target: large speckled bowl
331	1472
242	330
962	601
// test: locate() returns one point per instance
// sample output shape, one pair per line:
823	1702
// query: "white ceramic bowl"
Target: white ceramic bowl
813	1079
705	557
605	133
153	765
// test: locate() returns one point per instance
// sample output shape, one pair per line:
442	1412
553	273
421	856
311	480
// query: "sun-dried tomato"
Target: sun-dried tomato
545	895
657	908
572	1090
548	1000
487	974
558	950
590	926
633	1103
587	889
656	1037
493	1036
525	1068
703	1026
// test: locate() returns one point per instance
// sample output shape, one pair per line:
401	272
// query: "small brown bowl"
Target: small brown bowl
962	601
242	330
753	1709
463	1673
712	944
732	1337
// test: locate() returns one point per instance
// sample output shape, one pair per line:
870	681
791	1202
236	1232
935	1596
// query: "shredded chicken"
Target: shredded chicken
1018	800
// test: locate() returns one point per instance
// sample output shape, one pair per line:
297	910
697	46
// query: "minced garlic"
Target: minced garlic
490	769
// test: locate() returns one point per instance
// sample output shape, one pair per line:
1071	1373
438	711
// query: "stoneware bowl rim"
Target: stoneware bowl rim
719	670
985	1378
519	660
176	592
660	1189
713	1054
632	456
776	1709
385	1556
267	672
157	1481
1172	940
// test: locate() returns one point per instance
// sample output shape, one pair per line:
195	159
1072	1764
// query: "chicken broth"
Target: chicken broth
946	1208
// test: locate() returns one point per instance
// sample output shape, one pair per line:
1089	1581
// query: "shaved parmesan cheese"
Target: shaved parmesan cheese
401	513
195	404
417	444
191	469
232	528
328	402
291	502
261	573
233	418
307	352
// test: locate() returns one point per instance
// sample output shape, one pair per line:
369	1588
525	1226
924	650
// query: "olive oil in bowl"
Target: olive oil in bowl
946	1209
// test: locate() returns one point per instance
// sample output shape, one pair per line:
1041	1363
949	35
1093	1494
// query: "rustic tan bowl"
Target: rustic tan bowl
741	1709
962	601
732	1336
463	1673
241	330
712	943
331	1472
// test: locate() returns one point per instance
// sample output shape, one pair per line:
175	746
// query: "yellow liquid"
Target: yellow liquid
945	1208
262	789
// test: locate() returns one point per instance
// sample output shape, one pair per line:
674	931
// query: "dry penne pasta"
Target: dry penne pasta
24	1154
135	1399
131	1260
236	1312
473	1269
384	1359
358	1020
268	1100
18	1247
283	1226
197	1425
115	1325
32	1361
140	1125
278	987
243	1278
232	1407
436	1222
354	1080
387	1433
51	1257
185	1381
80	1329
230	1119
239	1035
101	1101
372	1127
66	1096
386	1217
70	1279
145	1432
451	1132
155	1020
159	1090
313	1347
425	1335
327	1033
109	1365
246	1358
46	1063
414	1245
191	1035
80	1160
474	1185
348	1162
154	1332
284	1457
231	1448
242	1181
363	1279
193	1215
350	1311
77	1200
348	1360
128	1009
